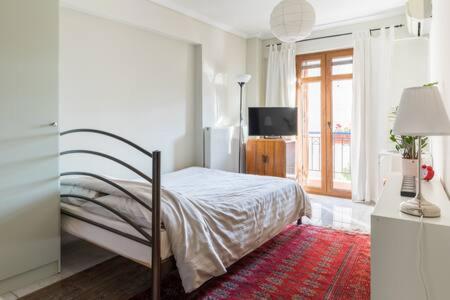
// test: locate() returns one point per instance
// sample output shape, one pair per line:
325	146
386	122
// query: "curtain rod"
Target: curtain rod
340	34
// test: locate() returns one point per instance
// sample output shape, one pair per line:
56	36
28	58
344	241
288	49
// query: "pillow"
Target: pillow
76	190
127	206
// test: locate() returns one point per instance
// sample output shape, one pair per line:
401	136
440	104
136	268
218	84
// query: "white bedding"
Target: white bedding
120	245
213	218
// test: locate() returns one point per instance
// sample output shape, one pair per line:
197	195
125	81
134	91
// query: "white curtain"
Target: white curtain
360	114
372	62
281	76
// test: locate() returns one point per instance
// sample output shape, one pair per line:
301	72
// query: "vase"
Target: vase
410	167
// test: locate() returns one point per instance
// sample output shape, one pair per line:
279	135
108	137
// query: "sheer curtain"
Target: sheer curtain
360	114
281	76
372	62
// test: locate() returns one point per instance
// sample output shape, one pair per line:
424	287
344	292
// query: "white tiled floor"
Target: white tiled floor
78	255
340	214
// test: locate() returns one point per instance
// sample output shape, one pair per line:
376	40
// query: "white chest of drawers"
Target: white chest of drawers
394	246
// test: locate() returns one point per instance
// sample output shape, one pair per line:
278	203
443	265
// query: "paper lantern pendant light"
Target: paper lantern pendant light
292	20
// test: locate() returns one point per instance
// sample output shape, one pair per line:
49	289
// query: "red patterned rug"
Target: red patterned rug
303	262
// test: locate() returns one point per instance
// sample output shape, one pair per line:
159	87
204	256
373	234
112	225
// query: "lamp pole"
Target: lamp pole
241	84
241	80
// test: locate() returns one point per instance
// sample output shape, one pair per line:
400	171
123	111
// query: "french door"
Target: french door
324	98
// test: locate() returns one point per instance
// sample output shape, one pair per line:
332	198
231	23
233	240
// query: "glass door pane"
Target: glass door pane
342	65
311	68
312	92
341	103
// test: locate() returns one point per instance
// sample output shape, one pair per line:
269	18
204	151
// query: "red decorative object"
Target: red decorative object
303	262
428	172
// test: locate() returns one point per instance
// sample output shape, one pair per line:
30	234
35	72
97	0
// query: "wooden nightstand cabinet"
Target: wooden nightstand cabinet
266	157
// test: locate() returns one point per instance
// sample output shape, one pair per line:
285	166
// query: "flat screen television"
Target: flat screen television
272	121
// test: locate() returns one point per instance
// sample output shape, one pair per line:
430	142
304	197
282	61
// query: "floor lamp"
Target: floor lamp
241	80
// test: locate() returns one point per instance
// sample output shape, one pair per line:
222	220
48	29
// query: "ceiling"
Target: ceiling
250	18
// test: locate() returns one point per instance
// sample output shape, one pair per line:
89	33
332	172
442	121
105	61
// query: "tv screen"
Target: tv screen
272	121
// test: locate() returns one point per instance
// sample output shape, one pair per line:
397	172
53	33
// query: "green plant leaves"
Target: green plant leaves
408	146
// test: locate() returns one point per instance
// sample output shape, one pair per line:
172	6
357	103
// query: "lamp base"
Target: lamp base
420	207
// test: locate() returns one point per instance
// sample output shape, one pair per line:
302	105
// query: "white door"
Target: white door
29	205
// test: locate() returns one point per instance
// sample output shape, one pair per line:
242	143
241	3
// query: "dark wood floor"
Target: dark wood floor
114	279
117	278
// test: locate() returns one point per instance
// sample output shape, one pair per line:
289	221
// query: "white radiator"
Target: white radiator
220	148
290	159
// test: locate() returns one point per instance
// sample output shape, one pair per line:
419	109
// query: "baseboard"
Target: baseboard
27	278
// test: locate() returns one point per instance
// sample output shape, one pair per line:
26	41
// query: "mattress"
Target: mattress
213	218
125	247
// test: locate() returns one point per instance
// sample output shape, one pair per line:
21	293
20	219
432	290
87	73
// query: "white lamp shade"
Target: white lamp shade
292	20
244	78
421	113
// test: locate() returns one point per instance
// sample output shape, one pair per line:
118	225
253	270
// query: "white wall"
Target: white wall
410	65
255	88
220	56
223	54
129	81
440	71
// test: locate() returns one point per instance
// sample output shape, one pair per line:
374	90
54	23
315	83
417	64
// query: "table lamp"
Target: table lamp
421	113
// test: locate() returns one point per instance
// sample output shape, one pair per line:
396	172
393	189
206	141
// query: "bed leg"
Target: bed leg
299	222
156	226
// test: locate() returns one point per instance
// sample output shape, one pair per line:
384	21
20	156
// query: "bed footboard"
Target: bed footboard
153	241
156	230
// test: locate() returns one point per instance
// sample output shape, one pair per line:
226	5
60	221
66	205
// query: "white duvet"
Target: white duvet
213	218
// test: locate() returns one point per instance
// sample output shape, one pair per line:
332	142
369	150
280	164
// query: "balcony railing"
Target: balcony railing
341	155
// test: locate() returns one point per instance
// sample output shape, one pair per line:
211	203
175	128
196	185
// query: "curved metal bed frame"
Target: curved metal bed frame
153	240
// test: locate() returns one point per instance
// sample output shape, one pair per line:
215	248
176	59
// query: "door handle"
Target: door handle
265	159
53	124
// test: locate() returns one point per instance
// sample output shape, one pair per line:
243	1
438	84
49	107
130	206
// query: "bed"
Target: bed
210	218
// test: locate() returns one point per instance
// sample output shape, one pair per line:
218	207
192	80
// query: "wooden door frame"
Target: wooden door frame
329	110
326	78
322	78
